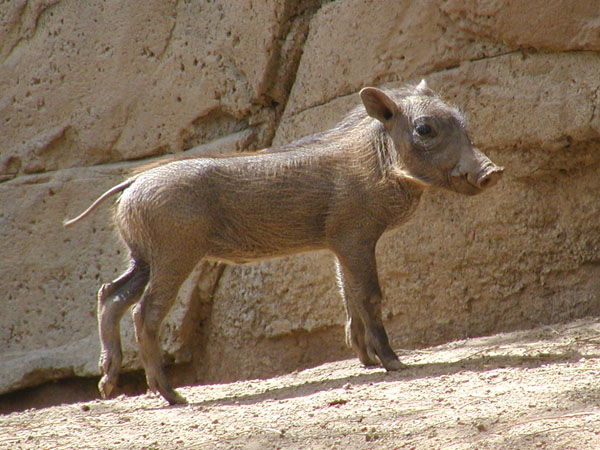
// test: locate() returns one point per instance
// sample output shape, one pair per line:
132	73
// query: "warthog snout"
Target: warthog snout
474	172
489	176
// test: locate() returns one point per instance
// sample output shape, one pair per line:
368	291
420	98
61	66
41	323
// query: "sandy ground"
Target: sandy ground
531	389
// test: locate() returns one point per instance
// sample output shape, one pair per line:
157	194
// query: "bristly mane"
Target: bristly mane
354	119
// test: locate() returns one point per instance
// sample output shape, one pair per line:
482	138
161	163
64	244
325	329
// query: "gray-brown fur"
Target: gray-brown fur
338	190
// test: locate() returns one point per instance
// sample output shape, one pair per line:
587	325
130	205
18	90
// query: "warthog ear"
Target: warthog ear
378	104
423	89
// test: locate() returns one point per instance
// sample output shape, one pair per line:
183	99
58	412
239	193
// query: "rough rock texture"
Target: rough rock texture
87	86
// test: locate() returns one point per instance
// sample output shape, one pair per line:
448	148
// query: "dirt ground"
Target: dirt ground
530	389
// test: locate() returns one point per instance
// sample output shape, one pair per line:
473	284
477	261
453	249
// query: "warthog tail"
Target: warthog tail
112	191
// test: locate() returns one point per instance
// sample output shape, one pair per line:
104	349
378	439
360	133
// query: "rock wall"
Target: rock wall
89	88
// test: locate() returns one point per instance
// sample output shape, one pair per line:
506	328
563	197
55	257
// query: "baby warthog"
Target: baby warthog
337	190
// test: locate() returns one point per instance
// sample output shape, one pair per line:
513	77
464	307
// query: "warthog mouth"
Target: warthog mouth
474	184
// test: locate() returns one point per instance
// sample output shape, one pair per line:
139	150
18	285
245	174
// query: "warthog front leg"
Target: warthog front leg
362	296
113	300
355	329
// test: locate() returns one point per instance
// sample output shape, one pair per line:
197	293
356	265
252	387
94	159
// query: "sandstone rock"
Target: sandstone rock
458	267
50	276
42	260
124	81
357	42
527	101
514	100
551	26
85	86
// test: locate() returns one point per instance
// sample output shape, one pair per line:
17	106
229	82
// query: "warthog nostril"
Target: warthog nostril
490	177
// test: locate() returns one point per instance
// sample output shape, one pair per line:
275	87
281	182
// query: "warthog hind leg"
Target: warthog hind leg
113	300
149	313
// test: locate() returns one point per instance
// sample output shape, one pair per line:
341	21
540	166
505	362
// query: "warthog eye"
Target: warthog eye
423	129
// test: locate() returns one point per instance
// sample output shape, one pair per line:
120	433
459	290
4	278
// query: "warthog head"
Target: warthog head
430	137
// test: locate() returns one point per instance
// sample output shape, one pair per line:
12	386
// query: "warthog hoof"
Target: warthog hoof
177	399
394	365
105	386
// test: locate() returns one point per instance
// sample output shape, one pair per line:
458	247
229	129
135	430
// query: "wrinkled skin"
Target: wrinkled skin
338	190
